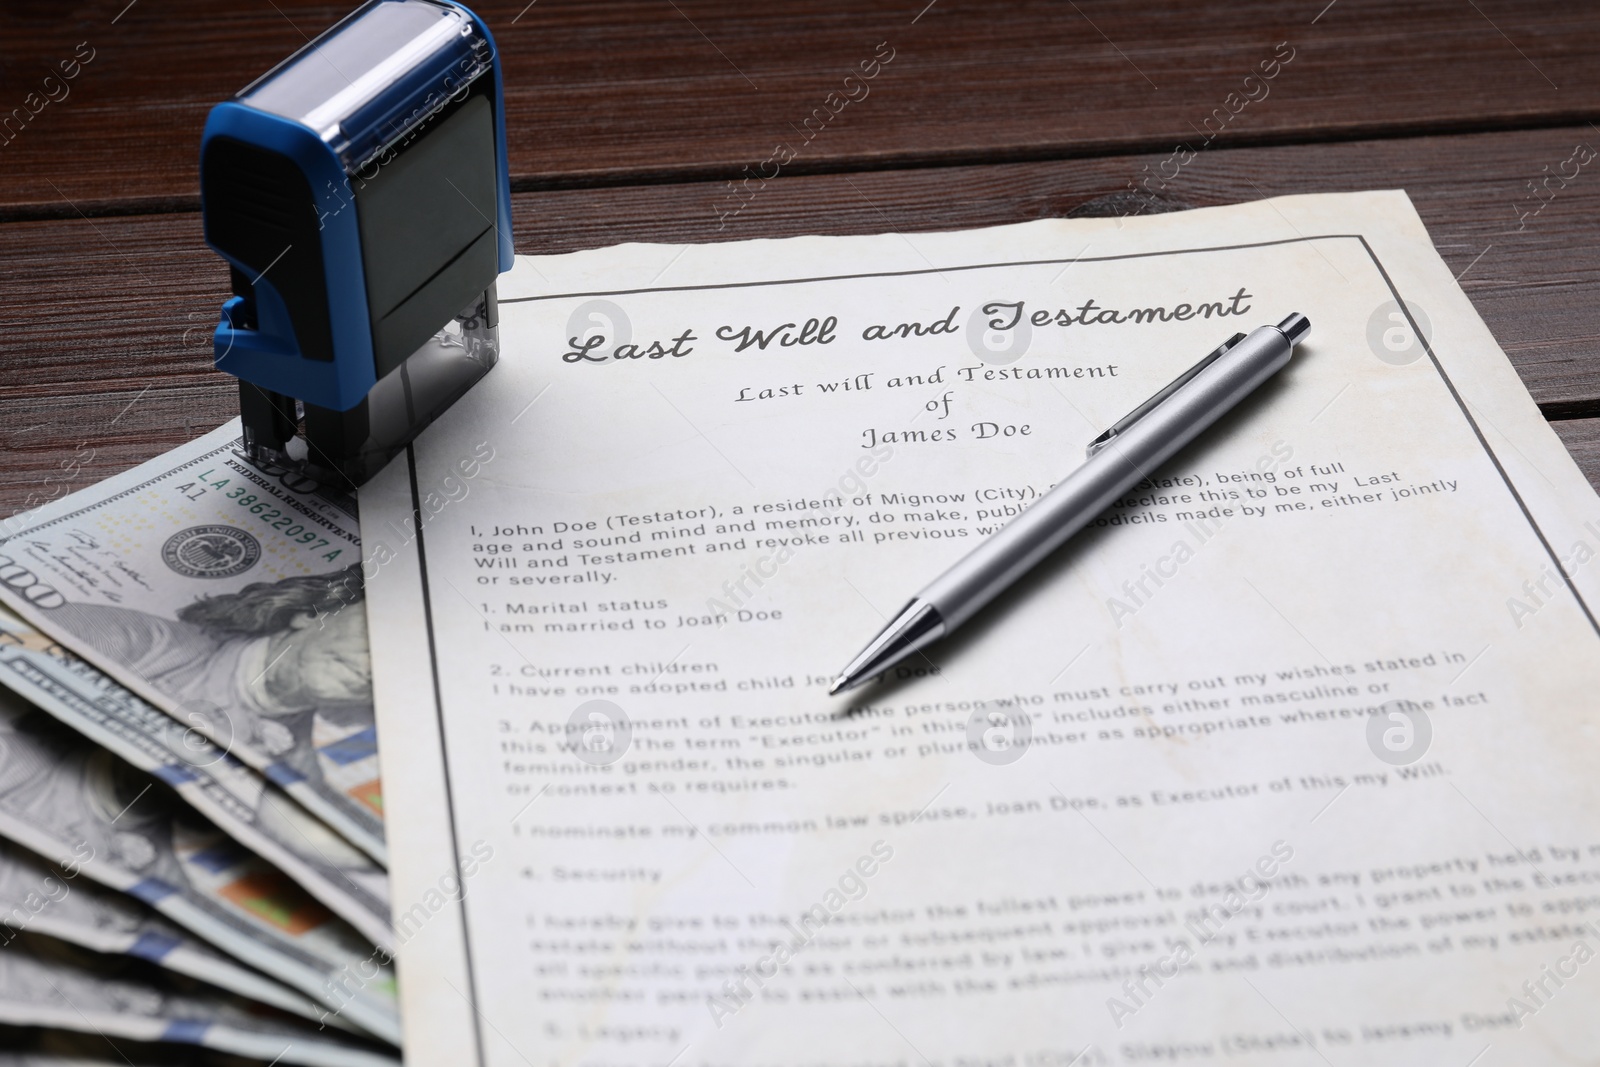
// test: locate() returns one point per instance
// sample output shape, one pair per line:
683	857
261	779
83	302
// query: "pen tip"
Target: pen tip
837	687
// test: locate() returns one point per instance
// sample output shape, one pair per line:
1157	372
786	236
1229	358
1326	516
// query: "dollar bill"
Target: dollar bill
62	1048
89	812
35	1047
48	983
51	1059
247	807
36	897
228	596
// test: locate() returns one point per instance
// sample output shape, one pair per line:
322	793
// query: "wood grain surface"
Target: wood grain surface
628	91
1582	438
627	121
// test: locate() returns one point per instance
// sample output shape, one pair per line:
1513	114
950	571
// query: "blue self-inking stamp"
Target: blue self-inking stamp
360	194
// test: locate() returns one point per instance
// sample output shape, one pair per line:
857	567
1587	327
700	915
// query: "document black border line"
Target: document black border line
416	501
444	750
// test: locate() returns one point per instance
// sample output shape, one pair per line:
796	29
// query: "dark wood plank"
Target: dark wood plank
631	90
1582	438
53	445
95	312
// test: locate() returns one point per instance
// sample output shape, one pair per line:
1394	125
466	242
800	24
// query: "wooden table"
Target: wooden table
632	119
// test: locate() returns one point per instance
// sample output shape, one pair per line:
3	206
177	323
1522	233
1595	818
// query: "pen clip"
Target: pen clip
1125	423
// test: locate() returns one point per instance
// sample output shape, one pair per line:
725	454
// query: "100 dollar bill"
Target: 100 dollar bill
87	811
228	596
239	800
38	898
50	984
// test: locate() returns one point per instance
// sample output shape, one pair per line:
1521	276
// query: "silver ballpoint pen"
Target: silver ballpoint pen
1118	459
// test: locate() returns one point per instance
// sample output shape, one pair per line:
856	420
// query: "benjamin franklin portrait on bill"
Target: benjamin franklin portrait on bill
281	666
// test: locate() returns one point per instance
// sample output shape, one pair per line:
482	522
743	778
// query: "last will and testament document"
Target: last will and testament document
1288	760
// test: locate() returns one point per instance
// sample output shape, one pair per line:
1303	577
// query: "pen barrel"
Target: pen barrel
1129	458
